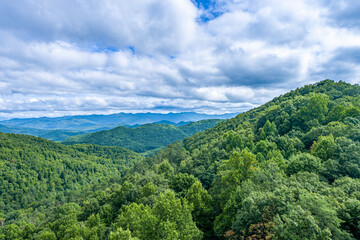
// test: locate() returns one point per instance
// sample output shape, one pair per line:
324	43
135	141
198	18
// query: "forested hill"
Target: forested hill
37	174
288	169
145	137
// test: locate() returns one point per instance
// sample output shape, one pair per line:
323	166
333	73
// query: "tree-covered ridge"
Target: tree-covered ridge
145	137
270	169
35	173
288	169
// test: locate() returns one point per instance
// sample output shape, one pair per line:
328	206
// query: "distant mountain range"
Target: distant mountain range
93	123
144	138
54	135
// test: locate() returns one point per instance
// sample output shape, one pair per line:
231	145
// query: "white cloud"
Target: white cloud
66	57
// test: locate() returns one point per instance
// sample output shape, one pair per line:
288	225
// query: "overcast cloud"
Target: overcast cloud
65	57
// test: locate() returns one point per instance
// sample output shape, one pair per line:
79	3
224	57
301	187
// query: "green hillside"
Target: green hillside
143	138
289	169
37	174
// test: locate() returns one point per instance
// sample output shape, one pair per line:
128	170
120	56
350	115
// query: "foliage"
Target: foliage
289	169
37	173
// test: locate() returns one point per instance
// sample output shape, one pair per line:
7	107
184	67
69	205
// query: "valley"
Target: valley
288	169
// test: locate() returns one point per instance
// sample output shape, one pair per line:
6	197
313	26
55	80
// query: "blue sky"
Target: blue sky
89	56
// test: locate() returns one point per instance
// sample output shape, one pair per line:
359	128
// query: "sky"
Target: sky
68	57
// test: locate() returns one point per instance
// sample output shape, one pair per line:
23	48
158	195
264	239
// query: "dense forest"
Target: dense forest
37	175
288	169
143	138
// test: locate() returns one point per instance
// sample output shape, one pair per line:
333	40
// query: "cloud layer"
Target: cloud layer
83	57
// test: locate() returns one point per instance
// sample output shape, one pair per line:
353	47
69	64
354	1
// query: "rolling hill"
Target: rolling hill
143	138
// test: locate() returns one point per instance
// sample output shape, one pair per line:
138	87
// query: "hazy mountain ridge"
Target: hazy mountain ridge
53	135
94	122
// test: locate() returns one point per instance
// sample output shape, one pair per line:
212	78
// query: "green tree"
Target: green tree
165	169
270	129
201	202
314	112
352	112
304	162
45	235
299	224
337	113
324	148
349	212
121	234
238	168
181	182
169	218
